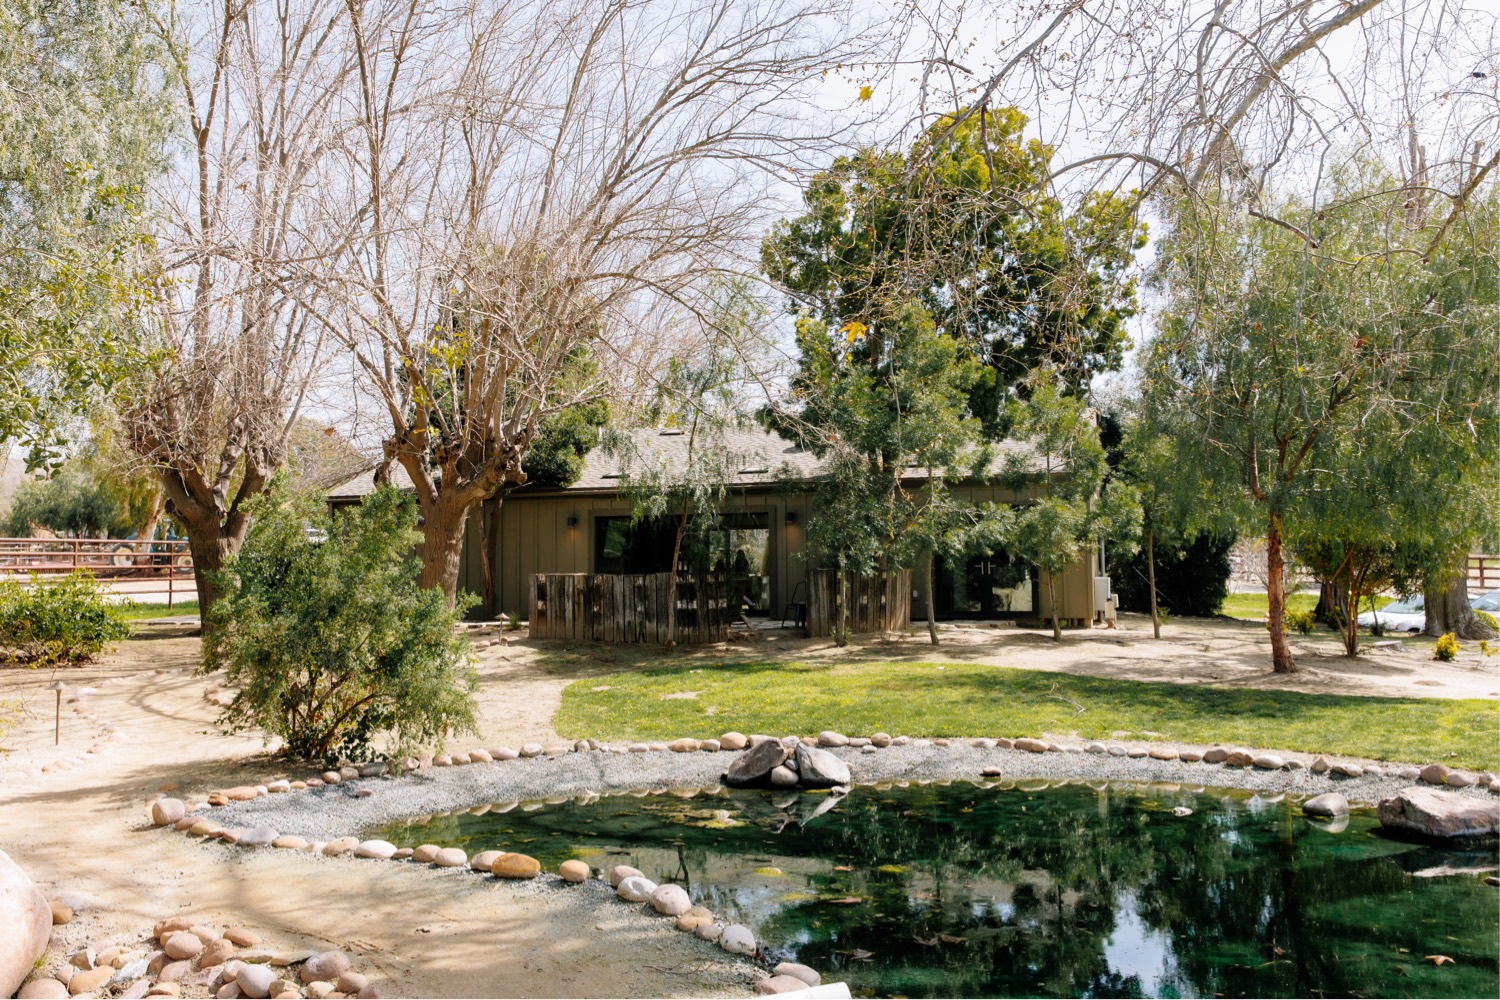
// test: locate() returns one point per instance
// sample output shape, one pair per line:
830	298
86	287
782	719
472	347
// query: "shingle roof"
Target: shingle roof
763	458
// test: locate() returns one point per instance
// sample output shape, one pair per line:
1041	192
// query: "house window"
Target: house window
735	544
990	586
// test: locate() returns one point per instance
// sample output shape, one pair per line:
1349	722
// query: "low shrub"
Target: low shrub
330	638
1300	621
1488	619
57	621
1446	648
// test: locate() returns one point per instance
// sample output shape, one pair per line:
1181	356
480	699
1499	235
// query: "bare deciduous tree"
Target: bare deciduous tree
542	191
240	248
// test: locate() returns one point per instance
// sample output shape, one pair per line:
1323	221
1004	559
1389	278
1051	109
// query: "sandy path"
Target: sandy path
82	828
1217	652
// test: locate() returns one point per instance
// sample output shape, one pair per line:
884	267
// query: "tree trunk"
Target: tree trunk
1281	652
1056	611
931	618
443	546
1447	607
1151	581
1343	610
212	547
672	581
1333	601
148	527
841	613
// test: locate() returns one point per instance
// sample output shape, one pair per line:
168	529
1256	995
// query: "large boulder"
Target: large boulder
1428	812
27	920
820	769
754	766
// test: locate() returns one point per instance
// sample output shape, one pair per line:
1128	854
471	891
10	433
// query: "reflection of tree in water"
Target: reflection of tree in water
982	892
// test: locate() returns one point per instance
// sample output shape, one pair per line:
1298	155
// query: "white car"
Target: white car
1398	616
1487	602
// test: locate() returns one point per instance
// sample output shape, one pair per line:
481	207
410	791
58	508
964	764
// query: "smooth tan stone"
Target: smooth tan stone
574	870
451	857
217	953
182	945
516	866
342	845
242	936
89	980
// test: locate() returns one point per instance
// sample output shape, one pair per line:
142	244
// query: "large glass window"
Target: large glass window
737	545
991	586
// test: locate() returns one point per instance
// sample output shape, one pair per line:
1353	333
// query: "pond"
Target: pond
965	890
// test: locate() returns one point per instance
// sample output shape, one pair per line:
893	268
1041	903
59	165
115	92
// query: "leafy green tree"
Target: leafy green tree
1188	577
961	225
97	492
887	408
1076	505
70	503
1286	352
563	440
82	119
328	635
1179	513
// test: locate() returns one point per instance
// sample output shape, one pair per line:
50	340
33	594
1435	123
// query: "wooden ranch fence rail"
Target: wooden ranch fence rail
626	607
166	565
877	603
1484	573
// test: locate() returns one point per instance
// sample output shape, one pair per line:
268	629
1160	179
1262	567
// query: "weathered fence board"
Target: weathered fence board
1484	573
620	607
880	602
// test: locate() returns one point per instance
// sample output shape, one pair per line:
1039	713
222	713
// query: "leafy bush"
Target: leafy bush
1300	621
53	621
329	637
1488	619
1446	648
1191	579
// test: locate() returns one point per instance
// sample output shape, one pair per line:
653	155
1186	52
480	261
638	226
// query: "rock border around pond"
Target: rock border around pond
827	760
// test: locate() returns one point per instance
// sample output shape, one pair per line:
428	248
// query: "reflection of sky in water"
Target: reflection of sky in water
1133	949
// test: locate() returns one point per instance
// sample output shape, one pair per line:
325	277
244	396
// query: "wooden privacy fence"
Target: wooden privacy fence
627	607
1484	573
880	602
156	565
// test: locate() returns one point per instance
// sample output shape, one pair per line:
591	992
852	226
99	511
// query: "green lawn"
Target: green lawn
926	699
1252	607
139	611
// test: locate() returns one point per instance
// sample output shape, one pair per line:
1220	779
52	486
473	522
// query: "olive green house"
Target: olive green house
760	540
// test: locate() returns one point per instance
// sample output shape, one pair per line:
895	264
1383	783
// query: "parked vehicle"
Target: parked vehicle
1487	602
1409	615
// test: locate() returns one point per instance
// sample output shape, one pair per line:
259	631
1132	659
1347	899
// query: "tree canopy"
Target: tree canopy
82	117
1295	365
964	228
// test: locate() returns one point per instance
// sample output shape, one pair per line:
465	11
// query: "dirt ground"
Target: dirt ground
82	827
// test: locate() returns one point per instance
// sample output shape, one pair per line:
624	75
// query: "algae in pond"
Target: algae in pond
969	891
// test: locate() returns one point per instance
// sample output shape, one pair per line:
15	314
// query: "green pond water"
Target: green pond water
970	891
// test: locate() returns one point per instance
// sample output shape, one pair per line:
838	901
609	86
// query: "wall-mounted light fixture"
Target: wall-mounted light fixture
572	520
791	517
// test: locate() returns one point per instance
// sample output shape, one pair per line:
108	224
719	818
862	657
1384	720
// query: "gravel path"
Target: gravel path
337	810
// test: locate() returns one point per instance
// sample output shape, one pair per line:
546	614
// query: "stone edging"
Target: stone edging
670	900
